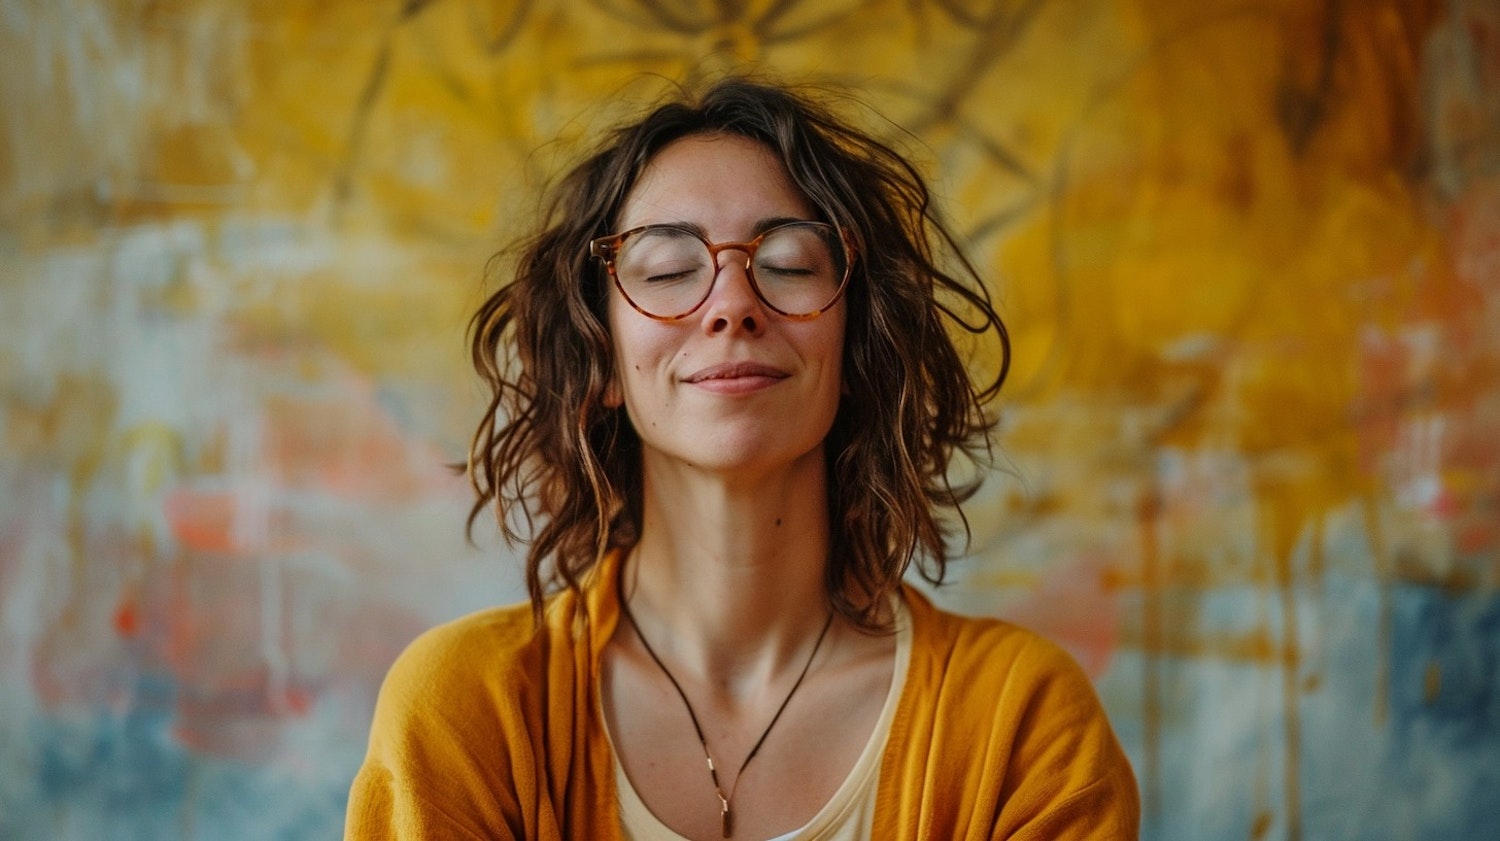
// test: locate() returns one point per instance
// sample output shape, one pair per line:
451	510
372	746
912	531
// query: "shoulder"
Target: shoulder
460	656
1033	699
1008	721
496	631
983	651
486	659
459	726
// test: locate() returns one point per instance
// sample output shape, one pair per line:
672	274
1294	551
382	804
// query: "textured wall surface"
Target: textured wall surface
1250	253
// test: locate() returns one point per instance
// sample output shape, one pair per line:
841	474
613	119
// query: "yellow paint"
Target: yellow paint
1173	252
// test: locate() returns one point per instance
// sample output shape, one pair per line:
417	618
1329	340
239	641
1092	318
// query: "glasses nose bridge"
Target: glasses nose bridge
717	248
750	286
748	248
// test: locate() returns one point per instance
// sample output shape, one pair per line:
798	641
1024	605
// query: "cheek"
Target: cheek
640	349
621	341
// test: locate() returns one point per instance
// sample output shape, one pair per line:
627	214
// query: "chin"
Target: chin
731	454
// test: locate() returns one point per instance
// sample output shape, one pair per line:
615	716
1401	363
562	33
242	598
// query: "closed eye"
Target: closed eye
787	271
668	277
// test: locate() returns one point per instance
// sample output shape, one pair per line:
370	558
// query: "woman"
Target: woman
725	402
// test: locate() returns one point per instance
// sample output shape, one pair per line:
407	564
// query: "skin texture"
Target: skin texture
727	579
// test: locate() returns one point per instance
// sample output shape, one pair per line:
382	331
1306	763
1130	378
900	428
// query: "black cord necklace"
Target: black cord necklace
724	799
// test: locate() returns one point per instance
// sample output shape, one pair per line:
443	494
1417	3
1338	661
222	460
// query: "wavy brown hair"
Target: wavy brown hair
562	470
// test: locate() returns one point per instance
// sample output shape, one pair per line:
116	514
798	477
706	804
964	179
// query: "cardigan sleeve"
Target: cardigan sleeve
448	751
1000	736
1066	776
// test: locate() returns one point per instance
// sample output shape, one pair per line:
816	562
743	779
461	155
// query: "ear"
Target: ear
613	398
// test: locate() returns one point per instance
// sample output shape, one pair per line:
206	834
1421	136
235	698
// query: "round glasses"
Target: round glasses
666	272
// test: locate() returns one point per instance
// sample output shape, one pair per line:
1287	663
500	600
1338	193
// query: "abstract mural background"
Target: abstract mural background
1250	253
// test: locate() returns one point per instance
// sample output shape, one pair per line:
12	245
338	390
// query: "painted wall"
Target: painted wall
1250	253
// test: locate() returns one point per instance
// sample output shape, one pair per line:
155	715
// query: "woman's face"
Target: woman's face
734	386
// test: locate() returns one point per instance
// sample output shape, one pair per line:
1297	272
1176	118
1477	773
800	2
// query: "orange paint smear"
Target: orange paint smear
127	619
201	521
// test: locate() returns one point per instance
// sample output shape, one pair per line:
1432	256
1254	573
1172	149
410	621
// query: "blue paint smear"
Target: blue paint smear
1448	642
102	776
1385	752
1443	764
119	760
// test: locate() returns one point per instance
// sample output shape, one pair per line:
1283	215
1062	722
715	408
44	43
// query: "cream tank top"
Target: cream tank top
847	816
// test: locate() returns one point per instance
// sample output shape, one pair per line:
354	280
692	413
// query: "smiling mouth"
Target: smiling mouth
736	371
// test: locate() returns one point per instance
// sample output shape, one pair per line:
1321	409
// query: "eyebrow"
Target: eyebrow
760	226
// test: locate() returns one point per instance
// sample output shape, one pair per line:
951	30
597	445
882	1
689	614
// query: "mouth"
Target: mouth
736	371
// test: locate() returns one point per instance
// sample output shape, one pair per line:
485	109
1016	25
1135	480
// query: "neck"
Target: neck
727	578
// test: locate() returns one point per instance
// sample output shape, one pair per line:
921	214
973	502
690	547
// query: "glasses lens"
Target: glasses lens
665	271
799	269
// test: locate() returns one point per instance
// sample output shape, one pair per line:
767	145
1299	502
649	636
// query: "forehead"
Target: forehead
720	182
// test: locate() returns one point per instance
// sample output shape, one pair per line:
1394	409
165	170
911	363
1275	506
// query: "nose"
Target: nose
732	306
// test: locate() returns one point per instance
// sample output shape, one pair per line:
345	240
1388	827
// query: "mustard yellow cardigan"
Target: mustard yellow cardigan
487	729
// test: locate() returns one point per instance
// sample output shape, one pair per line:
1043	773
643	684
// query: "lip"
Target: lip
736	377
